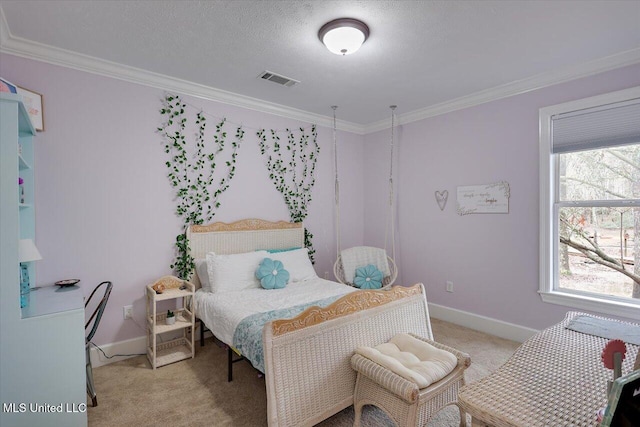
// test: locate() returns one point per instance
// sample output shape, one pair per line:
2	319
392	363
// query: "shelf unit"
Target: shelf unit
177	348
26	172
42	355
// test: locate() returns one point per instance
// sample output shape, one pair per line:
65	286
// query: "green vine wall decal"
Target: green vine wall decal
292	171
192	171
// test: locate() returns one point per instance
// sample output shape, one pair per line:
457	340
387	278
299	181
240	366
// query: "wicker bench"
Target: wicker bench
556	378
400	398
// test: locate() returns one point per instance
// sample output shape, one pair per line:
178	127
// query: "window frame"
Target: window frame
549	204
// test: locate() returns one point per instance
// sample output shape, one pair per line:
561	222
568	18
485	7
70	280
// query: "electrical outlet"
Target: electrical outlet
127	311
326	275
449	286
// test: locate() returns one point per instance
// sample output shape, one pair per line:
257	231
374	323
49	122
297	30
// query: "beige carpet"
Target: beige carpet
195	392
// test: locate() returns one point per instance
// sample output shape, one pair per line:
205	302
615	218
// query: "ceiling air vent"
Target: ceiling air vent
277	78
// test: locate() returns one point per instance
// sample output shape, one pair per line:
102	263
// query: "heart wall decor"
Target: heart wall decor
441	198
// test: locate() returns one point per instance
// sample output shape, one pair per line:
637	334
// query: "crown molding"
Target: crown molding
18	46
536	82
4	28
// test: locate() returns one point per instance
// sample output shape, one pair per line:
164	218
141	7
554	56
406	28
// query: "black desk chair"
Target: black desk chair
95	318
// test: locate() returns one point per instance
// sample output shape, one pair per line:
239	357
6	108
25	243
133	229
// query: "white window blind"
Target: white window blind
598	127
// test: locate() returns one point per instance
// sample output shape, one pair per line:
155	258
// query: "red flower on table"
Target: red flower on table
612	347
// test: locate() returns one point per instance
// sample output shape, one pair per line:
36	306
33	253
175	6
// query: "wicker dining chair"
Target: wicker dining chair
94	322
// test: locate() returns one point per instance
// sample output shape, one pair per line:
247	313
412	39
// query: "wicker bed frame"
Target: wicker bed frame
308	374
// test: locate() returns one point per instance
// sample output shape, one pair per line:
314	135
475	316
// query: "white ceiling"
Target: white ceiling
421	55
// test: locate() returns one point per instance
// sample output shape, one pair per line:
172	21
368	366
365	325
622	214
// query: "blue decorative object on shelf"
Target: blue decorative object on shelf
25	289
27	252
272	274
368	277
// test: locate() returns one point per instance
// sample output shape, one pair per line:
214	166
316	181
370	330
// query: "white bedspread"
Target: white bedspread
222	312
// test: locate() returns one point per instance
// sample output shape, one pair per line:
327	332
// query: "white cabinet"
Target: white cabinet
42	358
170	343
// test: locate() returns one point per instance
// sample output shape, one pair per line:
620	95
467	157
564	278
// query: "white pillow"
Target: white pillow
297	263
234	272
203	273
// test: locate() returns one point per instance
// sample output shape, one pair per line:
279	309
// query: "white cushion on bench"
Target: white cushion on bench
412	359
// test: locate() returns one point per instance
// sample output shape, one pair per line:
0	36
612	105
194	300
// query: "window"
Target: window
590	203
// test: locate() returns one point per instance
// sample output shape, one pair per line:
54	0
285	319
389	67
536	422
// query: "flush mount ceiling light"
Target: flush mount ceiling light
343	36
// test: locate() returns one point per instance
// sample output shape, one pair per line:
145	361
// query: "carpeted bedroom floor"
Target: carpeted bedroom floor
195	392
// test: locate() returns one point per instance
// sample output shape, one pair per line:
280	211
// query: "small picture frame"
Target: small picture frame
624	402
33	104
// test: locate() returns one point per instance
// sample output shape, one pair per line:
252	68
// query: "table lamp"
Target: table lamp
27	252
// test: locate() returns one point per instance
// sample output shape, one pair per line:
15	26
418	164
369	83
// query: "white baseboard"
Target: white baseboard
480	323
499	328
133	347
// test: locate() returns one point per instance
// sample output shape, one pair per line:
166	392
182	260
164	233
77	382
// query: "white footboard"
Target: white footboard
307	368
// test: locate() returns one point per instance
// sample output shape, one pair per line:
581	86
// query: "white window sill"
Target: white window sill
615	308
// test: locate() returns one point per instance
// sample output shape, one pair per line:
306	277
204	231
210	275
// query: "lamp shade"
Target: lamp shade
27	251
343	36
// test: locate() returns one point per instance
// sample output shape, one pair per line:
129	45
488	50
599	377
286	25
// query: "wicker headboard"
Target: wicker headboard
242	236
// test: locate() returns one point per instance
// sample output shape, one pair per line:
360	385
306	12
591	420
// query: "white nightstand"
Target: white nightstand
176	349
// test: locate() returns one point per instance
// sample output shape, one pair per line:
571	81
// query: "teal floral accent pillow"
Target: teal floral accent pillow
368	277
272	274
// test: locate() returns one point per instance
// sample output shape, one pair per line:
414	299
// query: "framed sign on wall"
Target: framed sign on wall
487	198
33	103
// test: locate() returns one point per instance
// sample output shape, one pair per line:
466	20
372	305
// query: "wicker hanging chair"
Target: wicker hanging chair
338	272
338	268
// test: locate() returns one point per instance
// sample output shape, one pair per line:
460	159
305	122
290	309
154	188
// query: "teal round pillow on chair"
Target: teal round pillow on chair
368	277
272	274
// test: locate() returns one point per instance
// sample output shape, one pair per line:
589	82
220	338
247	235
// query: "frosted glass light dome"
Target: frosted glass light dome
343	36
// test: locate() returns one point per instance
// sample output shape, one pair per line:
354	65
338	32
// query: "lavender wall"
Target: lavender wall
105	209
492	259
